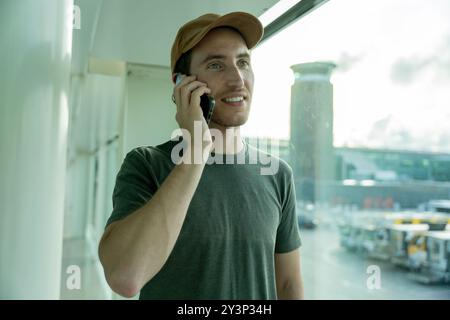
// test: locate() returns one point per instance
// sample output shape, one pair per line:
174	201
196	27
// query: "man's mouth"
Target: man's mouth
236	101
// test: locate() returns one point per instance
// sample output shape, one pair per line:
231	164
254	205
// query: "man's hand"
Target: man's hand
187	95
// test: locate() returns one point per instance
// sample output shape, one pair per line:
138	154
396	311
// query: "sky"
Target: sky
392	81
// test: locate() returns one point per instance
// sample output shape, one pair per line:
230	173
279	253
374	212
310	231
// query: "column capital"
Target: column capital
313	71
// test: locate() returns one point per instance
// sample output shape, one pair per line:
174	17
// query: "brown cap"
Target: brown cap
194	31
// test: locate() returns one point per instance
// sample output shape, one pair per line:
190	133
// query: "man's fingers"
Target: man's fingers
183	82
196	94
187	90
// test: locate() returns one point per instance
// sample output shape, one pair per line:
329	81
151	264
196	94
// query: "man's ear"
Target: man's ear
177	77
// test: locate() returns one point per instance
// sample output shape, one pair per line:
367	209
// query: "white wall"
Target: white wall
142	31
149	110
75	201
93	134
83	37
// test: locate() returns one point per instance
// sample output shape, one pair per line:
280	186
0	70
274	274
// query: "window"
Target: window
357	91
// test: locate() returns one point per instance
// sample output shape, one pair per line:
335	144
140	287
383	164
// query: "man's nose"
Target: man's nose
235	78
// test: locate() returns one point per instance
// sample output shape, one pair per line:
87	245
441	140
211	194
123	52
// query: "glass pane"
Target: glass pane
355	97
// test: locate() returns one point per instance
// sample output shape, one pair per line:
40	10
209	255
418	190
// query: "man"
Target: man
195	230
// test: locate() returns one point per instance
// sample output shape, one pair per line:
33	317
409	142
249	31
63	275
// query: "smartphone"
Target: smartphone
207	102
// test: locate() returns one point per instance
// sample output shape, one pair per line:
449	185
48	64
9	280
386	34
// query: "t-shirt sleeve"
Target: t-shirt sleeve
288	237
135	186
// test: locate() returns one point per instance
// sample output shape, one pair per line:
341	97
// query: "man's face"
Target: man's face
222	61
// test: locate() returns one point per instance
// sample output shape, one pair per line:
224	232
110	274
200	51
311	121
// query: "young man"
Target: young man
196	230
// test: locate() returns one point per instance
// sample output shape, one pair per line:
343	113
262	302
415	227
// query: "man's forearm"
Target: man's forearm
291	292
136	248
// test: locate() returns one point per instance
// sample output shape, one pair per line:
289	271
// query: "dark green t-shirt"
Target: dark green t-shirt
237	220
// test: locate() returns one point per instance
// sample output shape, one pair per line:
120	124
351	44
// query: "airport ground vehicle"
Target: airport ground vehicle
429	257
401	236
416	241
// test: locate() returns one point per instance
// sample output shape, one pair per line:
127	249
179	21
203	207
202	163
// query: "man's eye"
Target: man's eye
244	63
214	66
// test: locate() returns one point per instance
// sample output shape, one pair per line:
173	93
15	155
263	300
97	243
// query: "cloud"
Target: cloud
406	70
382	124
391	132
346	61
442	63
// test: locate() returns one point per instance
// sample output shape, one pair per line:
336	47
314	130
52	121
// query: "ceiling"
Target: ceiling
142	31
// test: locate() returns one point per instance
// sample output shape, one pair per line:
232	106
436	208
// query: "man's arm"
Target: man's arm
133	250
288	275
